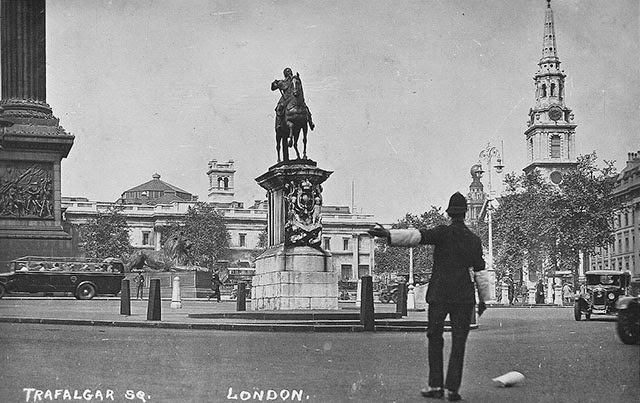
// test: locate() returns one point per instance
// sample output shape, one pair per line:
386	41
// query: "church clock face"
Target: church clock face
556	177
555	113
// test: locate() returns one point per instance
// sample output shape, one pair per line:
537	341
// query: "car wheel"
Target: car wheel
2	291
577	314
86	291
629	325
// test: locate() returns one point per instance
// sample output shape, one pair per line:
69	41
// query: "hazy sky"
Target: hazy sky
405	94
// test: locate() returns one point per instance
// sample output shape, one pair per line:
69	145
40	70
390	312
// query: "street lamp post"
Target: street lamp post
487	155
411	298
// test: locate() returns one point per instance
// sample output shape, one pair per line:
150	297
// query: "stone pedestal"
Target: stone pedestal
294	273
289	278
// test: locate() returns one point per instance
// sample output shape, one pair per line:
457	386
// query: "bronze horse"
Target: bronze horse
296	118
174	253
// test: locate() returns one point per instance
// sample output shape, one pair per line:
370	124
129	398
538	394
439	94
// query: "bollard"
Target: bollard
125	298
153	308
241	298
176	301
367	318
505	294
401	300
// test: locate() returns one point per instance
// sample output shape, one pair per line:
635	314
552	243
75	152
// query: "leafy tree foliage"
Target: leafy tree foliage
547	226
391	260
106	236
204	226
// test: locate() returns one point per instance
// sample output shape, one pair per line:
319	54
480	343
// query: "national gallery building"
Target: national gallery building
156	204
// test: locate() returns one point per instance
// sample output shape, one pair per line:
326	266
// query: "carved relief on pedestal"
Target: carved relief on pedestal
303	201
26	190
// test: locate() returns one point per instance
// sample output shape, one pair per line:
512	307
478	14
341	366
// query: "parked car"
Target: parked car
600	293
628	325
83	278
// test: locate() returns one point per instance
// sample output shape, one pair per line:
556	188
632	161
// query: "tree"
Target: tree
520	223
584	210
106	236
204	226
547	226
392	260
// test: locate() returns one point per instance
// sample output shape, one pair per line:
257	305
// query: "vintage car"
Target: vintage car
82	278
600	293
628	325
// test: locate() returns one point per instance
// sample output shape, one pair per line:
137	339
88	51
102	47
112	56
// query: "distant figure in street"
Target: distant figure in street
540	292
567	294
139	280
524	291
215	286
457	261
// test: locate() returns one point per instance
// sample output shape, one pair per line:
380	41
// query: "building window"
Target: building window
363	270
327	243
242	240
145	238
345	272
345	243
555	146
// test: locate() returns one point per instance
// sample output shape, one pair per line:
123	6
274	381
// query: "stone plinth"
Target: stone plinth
290	278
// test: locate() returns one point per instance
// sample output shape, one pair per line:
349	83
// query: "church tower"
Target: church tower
550	134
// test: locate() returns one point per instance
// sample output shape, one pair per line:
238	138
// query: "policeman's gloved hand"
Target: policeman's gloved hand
379	231
481	308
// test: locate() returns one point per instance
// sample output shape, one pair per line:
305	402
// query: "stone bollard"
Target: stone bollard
505	294
176	301
558	295
367	318
154	308
358	293
532	295
241	298
401	300
125	298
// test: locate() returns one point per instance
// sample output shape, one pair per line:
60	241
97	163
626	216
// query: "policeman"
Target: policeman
457	256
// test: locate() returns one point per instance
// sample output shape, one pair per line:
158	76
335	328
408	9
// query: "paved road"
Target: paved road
563	361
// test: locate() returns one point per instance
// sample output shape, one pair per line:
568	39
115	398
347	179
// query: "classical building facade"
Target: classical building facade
156	204
550	133
624	252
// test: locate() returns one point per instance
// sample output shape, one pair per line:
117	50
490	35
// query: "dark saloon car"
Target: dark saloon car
82	278
628	325
599	295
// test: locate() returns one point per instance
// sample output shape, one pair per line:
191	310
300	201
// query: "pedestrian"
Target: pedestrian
540	292
215	286
524	291
457	260
567	294
139	280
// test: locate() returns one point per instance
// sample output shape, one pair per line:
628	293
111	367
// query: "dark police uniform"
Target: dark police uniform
451	288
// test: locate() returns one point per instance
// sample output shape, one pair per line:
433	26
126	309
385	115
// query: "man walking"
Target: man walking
139	286
215	286
457	259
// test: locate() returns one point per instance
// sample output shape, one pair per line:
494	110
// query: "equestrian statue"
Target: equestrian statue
292	115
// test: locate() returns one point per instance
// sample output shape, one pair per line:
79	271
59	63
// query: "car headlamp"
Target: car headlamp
611	296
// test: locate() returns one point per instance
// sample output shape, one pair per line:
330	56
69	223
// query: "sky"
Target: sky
404	94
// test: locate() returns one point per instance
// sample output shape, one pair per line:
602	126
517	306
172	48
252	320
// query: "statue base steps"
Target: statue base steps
294	278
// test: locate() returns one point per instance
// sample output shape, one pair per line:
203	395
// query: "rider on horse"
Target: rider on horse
286	90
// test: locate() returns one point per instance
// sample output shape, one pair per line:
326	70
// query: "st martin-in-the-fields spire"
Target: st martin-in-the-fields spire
549	50
550	134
